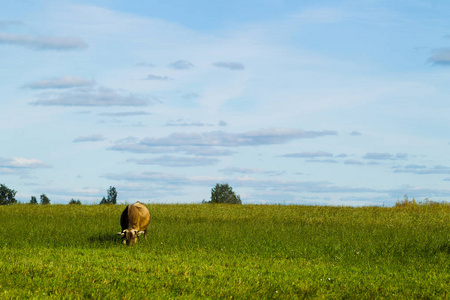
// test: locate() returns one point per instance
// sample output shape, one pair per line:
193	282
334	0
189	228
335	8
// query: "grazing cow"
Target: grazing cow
134	221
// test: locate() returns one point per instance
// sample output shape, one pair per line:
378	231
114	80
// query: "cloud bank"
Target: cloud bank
89	138
22	163
385	156
157	77
43	43
234	66
309	154
64	82
90	97
181	65
441	57
181	141
174	161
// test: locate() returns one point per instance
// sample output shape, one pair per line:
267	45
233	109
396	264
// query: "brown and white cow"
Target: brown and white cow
134	221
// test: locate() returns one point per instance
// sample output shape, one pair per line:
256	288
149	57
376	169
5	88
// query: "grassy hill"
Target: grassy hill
224	251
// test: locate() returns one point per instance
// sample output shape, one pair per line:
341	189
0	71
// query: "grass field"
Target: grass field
227	251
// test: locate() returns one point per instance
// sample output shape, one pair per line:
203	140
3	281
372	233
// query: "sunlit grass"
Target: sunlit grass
223	251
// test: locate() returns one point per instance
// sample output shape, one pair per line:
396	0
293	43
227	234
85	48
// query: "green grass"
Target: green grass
227	251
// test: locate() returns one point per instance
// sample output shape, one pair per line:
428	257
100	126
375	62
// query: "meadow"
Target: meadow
226	251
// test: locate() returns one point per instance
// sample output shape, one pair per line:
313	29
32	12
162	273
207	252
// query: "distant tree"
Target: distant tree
33	200
44	199
223	193
7	195
112	195
103	201
74	202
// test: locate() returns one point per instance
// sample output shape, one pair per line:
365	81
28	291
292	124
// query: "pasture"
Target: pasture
226	251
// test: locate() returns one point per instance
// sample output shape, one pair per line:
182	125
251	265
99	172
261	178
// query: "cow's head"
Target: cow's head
129	236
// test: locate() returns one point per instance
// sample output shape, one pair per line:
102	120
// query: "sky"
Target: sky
289	102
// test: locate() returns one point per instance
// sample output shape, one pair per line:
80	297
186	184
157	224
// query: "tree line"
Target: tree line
220	193
8	197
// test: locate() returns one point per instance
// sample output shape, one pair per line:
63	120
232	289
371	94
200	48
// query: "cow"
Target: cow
134	221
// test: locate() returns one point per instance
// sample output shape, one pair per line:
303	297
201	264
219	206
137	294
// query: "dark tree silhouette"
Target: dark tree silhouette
7	195
223	193
44	199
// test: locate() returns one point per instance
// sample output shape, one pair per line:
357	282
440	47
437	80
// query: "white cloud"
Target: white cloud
22	163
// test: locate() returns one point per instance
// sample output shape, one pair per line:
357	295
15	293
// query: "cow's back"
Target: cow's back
135	216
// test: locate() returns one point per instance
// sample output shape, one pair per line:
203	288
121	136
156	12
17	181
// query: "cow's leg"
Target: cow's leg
145	235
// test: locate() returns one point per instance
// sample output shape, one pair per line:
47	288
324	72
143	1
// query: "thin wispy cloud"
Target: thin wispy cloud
186	123
125	114
144	64
89	138
321	15
308	154
205	151
423	170
175	161
22	163
234	66
64	82
225	139
181	65
195	143
353	162
327	161
385	156
191	96
441	57
6	24
157	77
90	97
43	43
248	171
251	138
169	178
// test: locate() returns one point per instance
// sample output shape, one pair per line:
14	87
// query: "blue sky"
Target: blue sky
290	102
